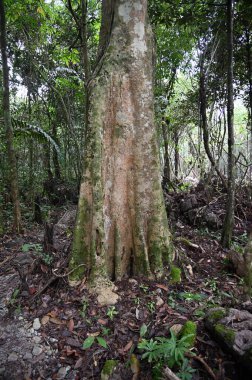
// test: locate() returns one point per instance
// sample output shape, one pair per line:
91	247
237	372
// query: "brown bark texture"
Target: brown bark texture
122	227
13	177
227	231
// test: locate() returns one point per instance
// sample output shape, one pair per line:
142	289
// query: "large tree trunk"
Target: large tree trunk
121	227
229	217
13	178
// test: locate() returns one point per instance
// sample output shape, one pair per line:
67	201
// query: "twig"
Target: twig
169	375
202	361
49	282
6	260
66	274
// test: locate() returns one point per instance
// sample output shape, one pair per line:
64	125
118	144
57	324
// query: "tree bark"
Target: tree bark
249	67
13	177
121	228
204	123
176	153
167	169
229	217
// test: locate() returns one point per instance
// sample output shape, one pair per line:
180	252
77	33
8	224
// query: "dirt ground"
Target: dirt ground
44	321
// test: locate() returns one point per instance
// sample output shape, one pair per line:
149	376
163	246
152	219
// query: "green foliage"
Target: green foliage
47	258
143	330
84	308
191	296
151	306
175	275
170	351
90	340
189	330
34	131
112	312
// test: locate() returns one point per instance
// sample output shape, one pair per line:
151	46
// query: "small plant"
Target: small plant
168	351
47	258
137	301
186	371
171	300
151	307
90	340
212	284
105	331
191	296
84	308
14	301
112	312
144	288
32	247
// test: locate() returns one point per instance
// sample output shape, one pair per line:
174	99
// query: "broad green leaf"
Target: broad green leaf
102	342
88	342
143	330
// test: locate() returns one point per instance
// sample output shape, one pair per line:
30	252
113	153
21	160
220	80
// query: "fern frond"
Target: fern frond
23	128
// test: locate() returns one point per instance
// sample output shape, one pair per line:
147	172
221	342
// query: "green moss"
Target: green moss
175	275
225	332
189	328
108	369
216	315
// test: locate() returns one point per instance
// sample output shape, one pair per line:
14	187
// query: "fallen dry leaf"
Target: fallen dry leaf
78	364
102	321
70	325
45	319
161	286
56	321
176	328
128	346
94	334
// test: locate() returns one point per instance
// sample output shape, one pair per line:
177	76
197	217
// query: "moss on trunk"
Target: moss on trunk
122	227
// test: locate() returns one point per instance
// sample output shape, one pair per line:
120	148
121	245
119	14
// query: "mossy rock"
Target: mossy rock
190	329
215	314
232	329
108	369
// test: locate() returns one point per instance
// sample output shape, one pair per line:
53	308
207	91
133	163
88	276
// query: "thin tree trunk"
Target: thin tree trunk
121	227
204	123
229	217
167	169
8	127
249	66
176	153
55	155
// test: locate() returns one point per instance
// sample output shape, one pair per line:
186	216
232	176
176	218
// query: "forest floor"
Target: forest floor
44	321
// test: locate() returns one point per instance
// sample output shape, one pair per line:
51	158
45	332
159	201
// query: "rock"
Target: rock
232	328
27	356
37	339
62	372
107	297
188	203
238	262
159	301
133	281
37	350
212	220
36	324
13	357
